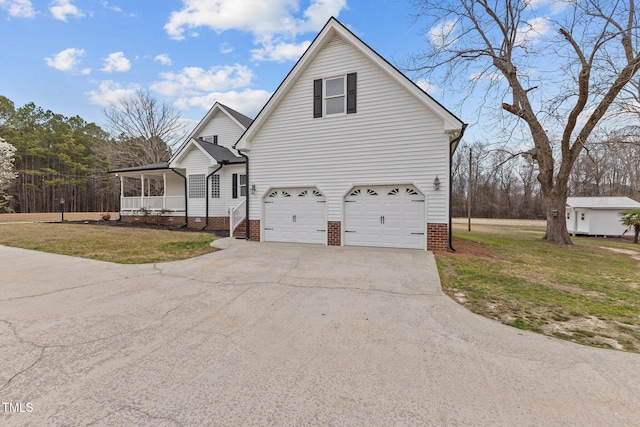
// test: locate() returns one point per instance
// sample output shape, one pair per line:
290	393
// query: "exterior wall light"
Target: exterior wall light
253	189
436	184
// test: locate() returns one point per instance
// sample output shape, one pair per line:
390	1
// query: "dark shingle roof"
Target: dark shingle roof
154	166
220	153
244	120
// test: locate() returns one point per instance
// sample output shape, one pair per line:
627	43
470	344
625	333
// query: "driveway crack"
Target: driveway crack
22	341
103	282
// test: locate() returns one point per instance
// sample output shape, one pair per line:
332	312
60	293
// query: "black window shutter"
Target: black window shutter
317	98
234	186
351	92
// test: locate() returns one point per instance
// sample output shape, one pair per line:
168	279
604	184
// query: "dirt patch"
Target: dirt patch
631	252
471	249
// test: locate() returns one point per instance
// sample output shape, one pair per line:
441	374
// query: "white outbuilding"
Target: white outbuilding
597	216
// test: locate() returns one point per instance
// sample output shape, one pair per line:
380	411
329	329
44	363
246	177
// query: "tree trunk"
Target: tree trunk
636	228
556	210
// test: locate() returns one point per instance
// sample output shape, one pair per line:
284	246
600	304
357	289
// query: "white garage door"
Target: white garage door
295	215
387	216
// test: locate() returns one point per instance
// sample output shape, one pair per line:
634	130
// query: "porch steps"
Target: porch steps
241	229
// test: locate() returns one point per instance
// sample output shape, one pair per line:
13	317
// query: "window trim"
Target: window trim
243	186
326	97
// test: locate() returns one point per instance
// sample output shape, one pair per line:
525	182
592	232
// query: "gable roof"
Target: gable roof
331	28
602	202
214	152
239	119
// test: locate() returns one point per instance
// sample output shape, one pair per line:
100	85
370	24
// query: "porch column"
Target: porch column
164	190
142	193
121	192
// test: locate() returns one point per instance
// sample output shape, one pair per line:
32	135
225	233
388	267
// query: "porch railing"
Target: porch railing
236	215
152	203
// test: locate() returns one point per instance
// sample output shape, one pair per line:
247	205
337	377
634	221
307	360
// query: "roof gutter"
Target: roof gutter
246	203
452	148
186	201
206	193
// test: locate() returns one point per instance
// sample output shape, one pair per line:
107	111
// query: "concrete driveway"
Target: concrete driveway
283	335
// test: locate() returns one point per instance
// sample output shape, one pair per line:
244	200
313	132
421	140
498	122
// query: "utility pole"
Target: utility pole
469	191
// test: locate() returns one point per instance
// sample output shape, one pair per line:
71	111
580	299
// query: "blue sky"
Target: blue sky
75	57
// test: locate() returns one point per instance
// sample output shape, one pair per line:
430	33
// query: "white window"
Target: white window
243	185
334	95
215	186
197	188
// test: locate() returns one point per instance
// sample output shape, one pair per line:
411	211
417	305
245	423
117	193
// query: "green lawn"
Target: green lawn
126	245
587	293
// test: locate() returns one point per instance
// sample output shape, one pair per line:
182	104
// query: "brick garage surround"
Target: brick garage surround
437	237
333	233
254	230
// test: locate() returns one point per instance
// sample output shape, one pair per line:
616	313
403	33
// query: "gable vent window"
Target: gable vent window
336	95
196	186
212	139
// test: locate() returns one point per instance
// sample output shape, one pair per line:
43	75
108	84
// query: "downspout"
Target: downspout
246	158
206	192
452	146
186	201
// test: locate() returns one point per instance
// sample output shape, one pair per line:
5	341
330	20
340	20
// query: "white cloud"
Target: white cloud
280	52
110	93
441	34
60	9
18	8
86	71
65	60
248	101
116	61
226	48
195	80
426	86
274	24
533	30
163	58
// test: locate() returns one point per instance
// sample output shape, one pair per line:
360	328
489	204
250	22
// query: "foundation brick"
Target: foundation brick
254	230
334	233
437	237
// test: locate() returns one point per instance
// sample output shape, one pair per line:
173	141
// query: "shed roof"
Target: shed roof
220	153
152	167
602	202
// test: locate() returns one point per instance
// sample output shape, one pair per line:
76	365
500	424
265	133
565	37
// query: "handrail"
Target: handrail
236	216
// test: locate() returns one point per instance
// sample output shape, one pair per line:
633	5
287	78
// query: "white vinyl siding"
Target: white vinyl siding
195	163
224	128
394	138
220	206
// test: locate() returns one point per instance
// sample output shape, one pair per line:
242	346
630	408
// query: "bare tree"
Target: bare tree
560	88
145	129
